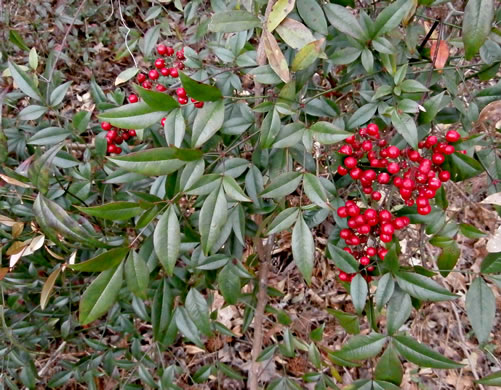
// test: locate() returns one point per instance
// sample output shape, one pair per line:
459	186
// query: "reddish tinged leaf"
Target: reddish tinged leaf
441	55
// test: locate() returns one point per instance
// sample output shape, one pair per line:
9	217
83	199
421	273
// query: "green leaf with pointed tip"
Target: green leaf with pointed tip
384	292
24	81
391	17
233	21
307	55
313	15
283	185
229	283
327	133
137	275
32	112
448	258
114	211
342	259
477	23
406	127
233	190
198	310
358	292
349	322
283	221
303	248
399	310
53	220
132	116
161	309
491	264
213	216
158	101
157	161
187	327
49	136
420	354
208	121
363	347
388	367
102	262
470	231
167	239
422	287
39	170
344	21
200	91
100	295
279	12
493	379
463	167
481	309
314	190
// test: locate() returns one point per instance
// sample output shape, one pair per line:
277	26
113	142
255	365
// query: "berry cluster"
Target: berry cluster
115	137
416	176
367	227
161	71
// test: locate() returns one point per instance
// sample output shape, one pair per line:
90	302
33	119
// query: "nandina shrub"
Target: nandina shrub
145	219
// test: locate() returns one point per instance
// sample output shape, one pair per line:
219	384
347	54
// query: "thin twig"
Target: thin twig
126	34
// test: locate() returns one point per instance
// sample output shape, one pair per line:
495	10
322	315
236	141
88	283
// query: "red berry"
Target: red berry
367	146
364	229
399	223
452	136
159	63
125	136
429	193
355	241
106	126
146	84
111	149
118	149
365	261
179	65
422	202
409	202
181	92
141	77
344	276
165	72
362	131
376	195
384	216
424	210
153	74
385	237
350	162
393	168
342	170
345	234
372	129
382	143
348	250
133	98
351	140
180	55
370	268
170	51
434	183
356	173
437	158
408	184
382	253
173	72
182	100
388	229
352	223
162	50
112	134
353	210
393	152
342	212
118	140
346	149
370	214
162	122
367	190
405	193
430	141
161	88
449	149
444	176
414	155
132	133
199	104
383	178
371	251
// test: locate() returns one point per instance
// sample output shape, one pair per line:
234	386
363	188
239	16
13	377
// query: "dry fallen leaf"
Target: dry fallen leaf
441	56
493	199
494	243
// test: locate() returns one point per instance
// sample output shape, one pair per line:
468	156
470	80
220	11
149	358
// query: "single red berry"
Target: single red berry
132	133
376	195
343	276
165	72
367	146
462	151
370	268
159	63
180	55
181	92
345	234
384	216
449	149
342	212
393	152
352	223
431	140
398	181
147	84
399	223
409	202
350	162
342	170
141	77
162	50
182	100
444	176
162	122
106	126
425	166
408	184
118	140
364	229
383	178
424	210
421	144
371	251
346	149
355	173
405	193
429	193
350	140
111	148
173	72
440	147
382	253
385	237
133	98
125	136
393	168
353	210
170	51
355	241
422	202
362	131
388	229
370	214
348	250
161	88
153	74
367	190
365	261
179	65
199	104
434	183
437	158
414	155
372	129
118	149
452	136
112	134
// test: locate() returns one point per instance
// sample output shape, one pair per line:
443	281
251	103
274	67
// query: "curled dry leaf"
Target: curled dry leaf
28	248
493	199
494	243
275	57
440	57
7	221
490	115
14	182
